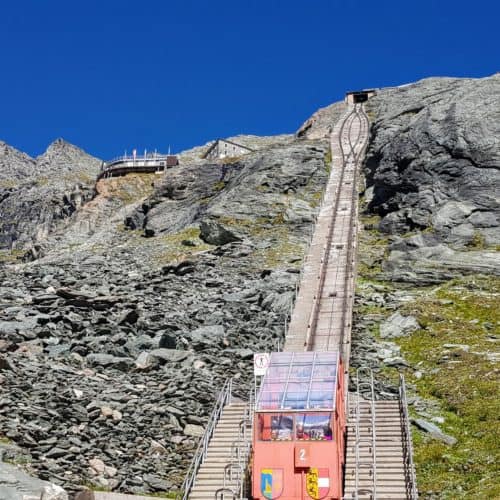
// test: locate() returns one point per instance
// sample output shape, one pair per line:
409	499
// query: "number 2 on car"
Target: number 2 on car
302	455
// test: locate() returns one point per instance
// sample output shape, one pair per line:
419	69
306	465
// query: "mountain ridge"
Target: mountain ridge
140	294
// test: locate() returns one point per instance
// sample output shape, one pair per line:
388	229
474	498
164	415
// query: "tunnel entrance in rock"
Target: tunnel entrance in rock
359	96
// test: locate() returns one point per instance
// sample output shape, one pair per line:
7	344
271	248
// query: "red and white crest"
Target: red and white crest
317	483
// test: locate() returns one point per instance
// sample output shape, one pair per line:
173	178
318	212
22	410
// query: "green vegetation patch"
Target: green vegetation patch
42	181
328	160
454	370
164	494
455	352
372	248
283	251
9	183
176	247
11	256
131	188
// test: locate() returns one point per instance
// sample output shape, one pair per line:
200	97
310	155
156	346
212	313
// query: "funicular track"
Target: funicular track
378	455
321	319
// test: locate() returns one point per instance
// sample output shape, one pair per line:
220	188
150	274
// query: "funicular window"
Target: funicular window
313	427
299	381
275	427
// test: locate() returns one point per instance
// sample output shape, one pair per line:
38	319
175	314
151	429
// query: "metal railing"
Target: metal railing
409	466
223	399
235	472
148	156
369	441
224	494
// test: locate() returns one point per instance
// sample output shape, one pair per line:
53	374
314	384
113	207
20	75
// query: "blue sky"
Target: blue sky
111	75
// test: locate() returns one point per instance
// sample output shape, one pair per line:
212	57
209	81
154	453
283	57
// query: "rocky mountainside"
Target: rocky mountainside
429	261
433	168
125	304
15	166
36	193
117	336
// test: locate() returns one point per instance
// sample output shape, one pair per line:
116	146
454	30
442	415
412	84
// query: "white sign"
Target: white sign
260	363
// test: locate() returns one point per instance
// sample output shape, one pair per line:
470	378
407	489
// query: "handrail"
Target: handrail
241	449
123	164
223	399
372	442
350	258
220	493
228	476
409	466
150	156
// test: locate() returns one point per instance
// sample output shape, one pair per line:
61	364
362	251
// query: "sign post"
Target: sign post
260	364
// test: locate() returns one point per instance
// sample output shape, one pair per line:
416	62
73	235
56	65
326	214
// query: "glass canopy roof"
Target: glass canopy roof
299	381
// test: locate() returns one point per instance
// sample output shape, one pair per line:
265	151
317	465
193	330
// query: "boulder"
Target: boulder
434	431
397	325
204	336
168	355
194	430
216	234
110	361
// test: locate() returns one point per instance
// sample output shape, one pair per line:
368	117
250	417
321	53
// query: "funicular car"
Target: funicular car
299	428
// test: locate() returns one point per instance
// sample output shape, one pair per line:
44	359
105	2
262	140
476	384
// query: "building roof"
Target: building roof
364	91
214	144
299	381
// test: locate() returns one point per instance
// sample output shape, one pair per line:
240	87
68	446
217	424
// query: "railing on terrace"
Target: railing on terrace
147	156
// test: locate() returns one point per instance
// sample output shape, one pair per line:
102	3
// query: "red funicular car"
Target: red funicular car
299	428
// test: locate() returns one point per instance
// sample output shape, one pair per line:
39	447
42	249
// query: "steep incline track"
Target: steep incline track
321	320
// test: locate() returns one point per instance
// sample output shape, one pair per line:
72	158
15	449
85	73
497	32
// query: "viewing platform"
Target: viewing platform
149	162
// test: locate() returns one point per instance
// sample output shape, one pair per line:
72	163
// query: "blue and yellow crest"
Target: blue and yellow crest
271	483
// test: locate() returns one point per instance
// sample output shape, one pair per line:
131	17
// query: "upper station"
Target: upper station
359	96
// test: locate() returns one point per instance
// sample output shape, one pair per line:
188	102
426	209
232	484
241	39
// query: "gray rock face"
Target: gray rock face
116	341
17	485
434	158
433	164
15	166
319	125
35	194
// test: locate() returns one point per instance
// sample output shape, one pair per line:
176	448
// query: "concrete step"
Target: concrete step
384	468
392	479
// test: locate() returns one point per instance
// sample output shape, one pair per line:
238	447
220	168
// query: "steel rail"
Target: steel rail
348	153
313	321
353	224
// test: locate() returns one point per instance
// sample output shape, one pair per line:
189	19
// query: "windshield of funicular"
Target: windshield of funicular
299	381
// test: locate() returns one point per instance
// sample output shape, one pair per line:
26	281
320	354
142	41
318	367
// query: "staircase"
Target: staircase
387	479
220	454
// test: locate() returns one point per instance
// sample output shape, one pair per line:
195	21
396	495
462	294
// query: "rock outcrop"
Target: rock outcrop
433	168
429	271
116	340
36	194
